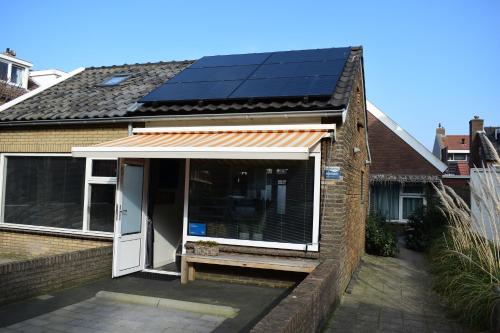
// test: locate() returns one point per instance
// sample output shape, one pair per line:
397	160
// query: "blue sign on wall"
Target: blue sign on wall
197	229
332	172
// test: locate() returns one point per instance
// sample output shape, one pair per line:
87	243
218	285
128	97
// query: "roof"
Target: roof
395	151
456	142
489	152
458	168
79	96
337	101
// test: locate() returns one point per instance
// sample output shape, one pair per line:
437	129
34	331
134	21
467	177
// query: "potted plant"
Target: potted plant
206	248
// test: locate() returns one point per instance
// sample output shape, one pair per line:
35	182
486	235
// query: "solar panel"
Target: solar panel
255	75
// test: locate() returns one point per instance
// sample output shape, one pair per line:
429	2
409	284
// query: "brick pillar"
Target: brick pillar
475	125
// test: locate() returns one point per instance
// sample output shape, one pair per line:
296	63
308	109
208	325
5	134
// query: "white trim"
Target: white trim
272	153
38	90
79	232
185	217
34	74
459	151
242	128
253	243
455	176
156	271
15	60
407	137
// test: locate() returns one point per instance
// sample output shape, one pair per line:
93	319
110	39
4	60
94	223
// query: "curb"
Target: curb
214	310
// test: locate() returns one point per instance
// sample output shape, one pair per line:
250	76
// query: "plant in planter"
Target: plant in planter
206	248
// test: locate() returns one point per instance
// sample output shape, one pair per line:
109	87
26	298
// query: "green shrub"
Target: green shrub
380	240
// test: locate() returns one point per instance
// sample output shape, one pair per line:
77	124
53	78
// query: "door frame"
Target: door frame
118	202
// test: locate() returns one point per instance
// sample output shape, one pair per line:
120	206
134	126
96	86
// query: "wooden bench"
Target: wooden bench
188	272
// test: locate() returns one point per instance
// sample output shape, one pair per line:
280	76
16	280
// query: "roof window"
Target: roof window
115	80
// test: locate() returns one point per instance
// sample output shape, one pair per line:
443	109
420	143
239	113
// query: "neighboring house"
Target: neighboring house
401	168
484	160
266	154
16	77
454	150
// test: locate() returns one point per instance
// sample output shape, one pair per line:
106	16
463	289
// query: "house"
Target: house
265	154
17	78
401	168
485	165
454	150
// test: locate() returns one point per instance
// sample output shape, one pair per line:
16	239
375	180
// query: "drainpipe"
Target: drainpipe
130	129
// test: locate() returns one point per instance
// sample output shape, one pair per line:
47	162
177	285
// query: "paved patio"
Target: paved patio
392	295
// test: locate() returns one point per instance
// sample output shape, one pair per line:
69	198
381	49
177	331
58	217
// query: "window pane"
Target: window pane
385	200
253	199
45	191
410	205
3	71
104	168
16	76
460	157
102	207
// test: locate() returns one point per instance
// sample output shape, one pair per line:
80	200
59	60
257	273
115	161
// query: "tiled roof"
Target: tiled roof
456	142
458	168
338	100
81	96
489	152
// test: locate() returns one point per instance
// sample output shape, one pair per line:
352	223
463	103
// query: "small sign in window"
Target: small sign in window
197	229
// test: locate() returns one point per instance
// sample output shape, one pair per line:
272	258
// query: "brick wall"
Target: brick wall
345	202
308	305
57	139
28	278
33	244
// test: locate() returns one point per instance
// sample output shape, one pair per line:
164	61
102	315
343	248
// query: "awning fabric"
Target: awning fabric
235	142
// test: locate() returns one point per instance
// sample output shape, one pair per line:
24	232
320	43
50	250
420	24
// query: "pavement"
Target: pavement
80	309
392	295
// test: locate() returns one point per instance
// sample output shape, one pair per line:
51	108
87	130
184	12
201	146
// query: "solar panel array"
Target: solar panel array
311	73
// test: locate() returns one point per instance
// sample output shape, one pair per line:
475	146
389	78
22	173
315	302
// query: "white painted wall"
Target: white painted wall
485	208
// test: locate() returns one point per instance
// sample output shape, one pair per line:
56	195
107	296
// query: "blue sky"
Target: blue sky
425	61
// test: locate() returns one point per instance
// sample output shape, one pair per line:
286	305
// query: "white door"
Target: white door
128	245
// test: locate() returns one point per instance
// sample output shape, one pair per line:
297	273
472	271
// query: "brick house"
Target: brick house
401	168
277	175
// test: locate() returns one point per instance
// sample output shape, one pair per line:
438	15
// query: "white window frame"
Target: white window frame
454	160
403	195
84	231
24	75
313	246
90	180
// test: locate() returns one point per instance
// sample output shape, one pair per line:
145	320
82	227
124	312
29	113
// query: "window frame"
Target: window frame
403	195
90	180
84	231
23	76
123	76
452	159
313	246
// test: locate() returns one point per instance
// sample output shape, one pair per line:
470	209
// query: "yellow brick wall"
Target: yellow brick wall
56	139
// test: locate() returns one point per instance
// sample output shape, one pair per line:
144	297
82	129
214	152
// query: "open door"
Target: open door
128	245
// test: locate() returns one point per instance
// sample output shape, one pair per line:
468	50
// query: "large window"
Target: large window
44	191
258	200
397	201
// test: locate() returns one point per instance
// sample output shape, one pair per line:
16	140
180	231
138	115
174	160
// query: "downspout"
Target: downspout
130	129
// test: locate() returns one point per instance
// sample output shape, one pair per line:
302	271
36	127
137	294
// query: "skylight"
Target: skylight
115	79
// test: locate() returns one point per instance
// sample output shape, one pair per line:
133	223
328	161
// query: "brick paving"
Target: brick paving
392	295
99	315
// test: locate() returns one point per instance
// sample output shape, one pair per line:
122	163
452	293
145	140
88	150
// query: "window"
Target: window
101	185
44	191
259	200
115	80
457	157
397	201
4	71
16	75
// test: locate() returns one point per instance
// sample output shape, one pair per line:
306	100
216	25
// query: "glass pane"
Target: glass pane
3	71
459	157
413	188
102	207
45	191
104	168
132	200
410	205
385	200
259	200
16	76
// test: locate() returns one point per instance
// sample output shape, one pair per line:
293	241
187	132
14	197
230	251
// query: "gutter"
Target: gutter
118	120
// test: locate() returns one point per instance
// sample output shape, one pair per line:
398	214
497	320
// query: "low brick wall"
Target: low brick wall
26	243
28	278
307	307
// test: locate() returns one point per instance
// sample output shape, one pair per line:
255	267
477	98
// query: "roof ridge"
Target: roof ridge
171	62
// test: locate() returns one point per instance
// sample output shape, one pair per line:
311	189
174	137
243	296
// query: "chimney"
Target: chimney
440	129
10	52
475	125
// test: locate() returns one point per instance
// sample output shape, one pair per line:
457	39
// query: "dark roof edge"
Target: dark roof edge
117	120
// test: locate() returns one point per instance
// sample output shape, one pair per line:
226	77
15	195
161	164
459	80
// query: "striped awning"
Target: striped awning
235	142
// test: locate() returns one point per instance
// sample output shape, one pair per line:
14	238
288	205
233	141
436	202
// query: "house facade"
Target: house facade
401	169
127	153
